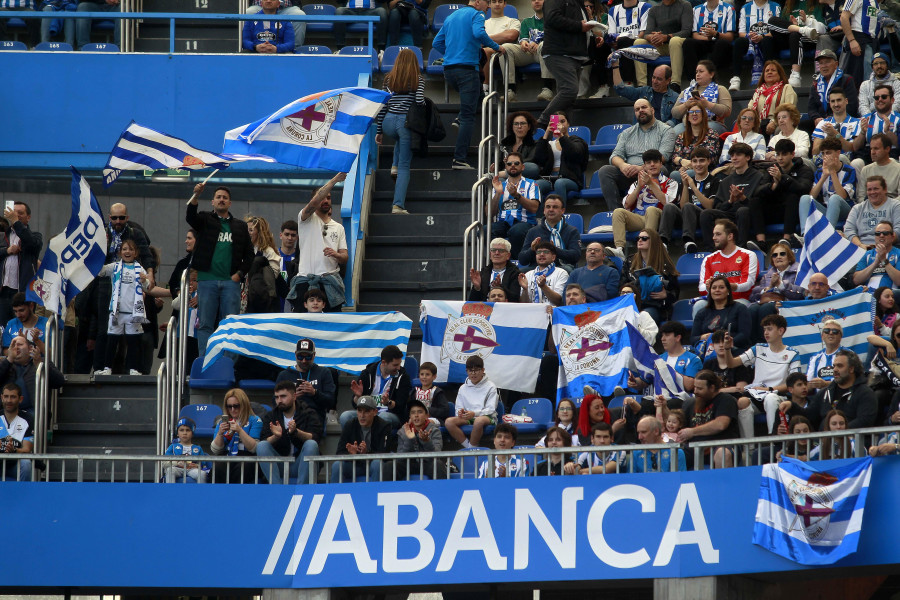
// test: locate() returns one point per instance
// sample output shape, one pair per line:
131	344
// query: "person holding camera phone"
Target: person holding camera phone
16	435
315	384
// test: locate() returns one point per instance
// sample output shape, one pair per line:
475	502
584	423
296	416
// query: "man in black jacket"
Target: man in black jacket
501	272
565	51
292	428
388	382
315	384
849	393
20	248
791	178
223	255
367	433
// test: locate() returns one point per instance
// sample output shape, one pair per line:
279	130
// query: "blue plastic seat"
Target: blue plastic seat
760	259
258	385
390	57
682	311
617	262
19	46
599	219
431	68
605	142
593	191
312	49
452	412
539	133
411	365
688	266
530	459
441	13
219	375
101	47
320	10
360	51
539	409
204	415
53	47
468	465
582	132
575	220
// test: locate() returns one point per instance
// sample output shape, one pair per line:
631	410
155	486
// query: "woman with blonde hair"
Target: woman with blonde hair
697	133
237	434
259	293
407	86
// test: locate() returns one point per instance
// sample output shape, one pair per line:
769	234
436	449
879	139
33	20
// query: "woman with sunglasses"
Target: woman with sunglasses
774	286
237	434
747	133
697	133
520	128
659	290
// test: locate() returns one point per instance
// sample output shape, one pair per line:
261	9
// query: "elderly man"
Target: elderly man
501	272
878	266
626	161
598	281
658	93
830	77
649	431
820	371
861	222
849	393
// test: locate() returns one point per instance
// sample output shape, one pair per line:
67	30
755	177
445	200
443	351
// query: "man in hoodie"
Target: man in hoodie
293	429
881	75
476	404
367	433
791	178
388	382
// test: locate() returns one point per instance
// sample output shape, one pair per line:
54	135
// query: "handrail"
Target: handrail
184	315
41	384
53	352
467	234
173	389
161	385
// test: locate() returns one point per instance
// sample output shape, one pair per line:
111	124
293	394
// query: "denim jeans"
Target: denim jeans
299	27
380	33
346	467
68	28
215	298
394	126
467	82
15	470
417	22
83	26
299	468
837	209
561	187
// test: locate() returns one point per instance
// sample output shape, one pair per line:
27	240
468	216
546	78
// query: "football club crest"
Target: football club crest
813	503
310	126
586	348
470	334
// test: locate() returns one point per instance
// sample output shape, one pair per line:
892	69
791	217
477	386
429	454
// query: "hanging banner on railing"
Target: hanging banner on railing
411	533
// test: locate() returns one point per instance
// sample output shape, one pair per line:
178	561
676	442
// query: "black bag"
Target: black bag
424	122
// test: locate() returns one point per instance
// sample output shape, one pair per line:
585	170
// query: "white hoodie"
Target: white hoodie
481	399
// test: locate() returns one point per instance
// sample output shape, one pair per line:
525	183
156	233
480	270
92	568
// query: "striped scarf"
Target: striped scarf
138	314
535	289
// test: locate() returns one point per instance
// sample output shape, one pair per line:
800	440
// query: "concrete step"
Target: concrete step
443	178
420	225
117	411
100	441
188	45
410	310
410	292
424	248
411	269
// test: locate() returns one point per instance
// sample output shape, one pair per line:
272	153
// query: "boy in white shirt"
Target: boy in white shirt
476	404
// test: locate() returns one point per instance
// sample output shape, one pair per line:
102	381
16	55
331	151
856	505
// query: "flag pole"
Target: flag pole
204	183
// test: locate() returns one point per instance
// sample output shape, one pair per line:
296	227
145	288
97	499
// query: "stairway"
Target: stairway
191	36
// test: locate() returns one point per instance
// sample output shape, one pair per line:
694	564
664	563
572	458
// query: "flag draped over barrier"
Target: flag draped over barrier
509	337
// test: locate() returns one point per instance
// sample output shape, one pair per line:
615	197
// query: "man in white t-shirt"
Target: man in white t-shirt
322	249
503	30
547	282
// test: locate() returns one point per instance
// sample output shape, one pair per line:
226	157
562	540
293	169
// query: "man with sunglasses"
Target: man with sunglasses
820	371
881	120
515	204
878	266
315	384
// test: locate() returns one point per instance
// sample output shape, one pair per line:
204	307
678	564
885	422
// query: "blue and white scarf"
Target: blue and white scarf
556	233
710	93
823	87
115	241
536	295
138	314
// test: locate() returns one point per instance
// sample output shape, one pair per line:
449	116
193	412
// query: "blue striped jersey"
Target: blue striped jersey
511	211
752	13
877	125
628	22
865	16
722	15
847	177
849	129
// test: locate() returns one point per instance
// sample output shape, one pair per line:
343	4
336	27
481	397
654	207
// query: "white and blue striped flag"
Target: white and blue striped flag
322	130
651	368
809	516
509	337
853	310
344	340
140	148
825	251
645	53
594	346
75	256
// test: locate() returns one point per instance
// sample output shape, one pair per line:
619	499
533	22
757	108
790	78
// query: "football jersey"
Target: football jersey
771	368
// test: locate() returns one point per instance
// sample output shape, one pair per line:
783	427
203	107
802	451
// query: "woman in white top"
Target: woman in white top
567	419
263	247
788	117
747	133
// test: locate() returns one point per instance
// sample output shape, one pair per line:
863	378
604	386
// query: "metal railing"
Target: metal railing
45	400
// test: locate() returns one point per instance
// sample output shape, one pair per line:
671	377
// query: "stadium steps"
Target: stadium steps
191	36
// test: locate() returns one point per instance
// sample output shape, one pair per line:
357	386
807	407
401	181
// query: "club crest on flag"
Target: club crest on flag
470	334
311	125
41	288
586	348
193	161
813	503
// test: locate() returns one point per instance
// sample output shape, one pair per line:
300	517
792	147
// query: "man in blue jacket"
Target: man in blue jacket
460	41
554	229
268	37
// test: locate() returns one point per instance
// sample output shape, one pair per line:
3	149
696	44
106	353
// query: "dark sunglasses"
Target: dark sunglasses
774	254
306	357
831	331
883	233
643	238
324	230
230	406
882	97
111	218
513	163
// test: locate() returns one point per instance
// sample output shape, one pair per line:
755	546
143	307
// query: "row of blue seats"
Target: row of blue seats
58	47
440	15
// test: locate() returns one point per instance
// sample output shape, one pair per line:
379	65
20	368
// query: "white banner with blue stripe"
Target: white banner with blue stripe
140	148
322	130
509	337
651	368
811	516
346	341
825	251
593	345
853	310
75	256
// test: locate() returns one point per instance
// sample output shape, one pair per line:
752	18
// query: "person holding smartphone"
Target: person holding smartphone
315	384
20	247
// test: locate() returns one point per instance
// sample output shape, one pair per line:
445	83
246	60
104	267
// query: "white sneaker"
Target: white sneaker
394	171
809	32
510	96
794	79
546	95
399	210
603	92
134	372
735	84
615	251
105	371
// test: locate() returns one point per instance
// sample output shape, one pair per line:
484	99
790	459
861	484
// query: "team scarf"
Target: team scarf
710	93
115	241
138	314
555	233
772	95
535	288
823	87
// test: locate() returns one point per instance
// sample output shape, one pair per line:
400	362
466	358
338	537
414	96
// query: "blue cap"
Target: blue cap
882	56
186	421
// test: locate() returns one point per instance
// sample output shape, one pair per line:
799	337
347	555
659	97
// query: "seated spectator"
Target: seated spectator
562	158
772	91
881	120
520	128
363	8
25	322
388	383
710	415
420	434
878	266
412	12
830	77
836	447
505	465
721	312
285	8
698	192
739	265
865	216
627	22
83	26
291	429
565	238
774	286
712	34
672	336
799	449
748	125
497	294
598	281
653	269
642	207
268	37
743	184
627	159
711	96
591	412
476	405
881	75
566	419
429	395
599	462
51	27
19	439
315	384
501	272
791	178
198	472
886	312
19	366
674	422
882	164
557	464
849	393
595	73
660	96
885	448
527	50
734	379
646	324
787	118
839	125
798	403
574	295
503	30
819	287
545	283
649	431
787	33
696	134
668	26
753	35
834	191
237	434
514	204
366	433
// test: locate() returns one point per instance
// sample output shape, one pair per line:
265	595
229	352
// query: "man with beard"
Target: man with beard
710	415
515	204
849	393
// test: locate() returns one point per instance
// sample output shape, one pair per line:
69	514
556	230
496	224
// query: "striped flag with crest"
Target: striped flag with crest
825	251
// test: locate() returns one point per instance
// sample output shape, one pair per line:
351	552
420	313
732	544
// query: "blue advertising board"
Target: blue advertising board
408	533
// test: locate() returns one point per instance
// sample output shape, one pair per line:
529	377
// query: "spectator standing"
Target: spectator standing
20	248
669	24
259	293
860	25
627	22
566	39
285	7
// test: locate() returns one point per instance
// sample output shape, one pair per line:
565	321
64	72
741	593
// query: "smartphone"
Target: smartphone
554	123
10	204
